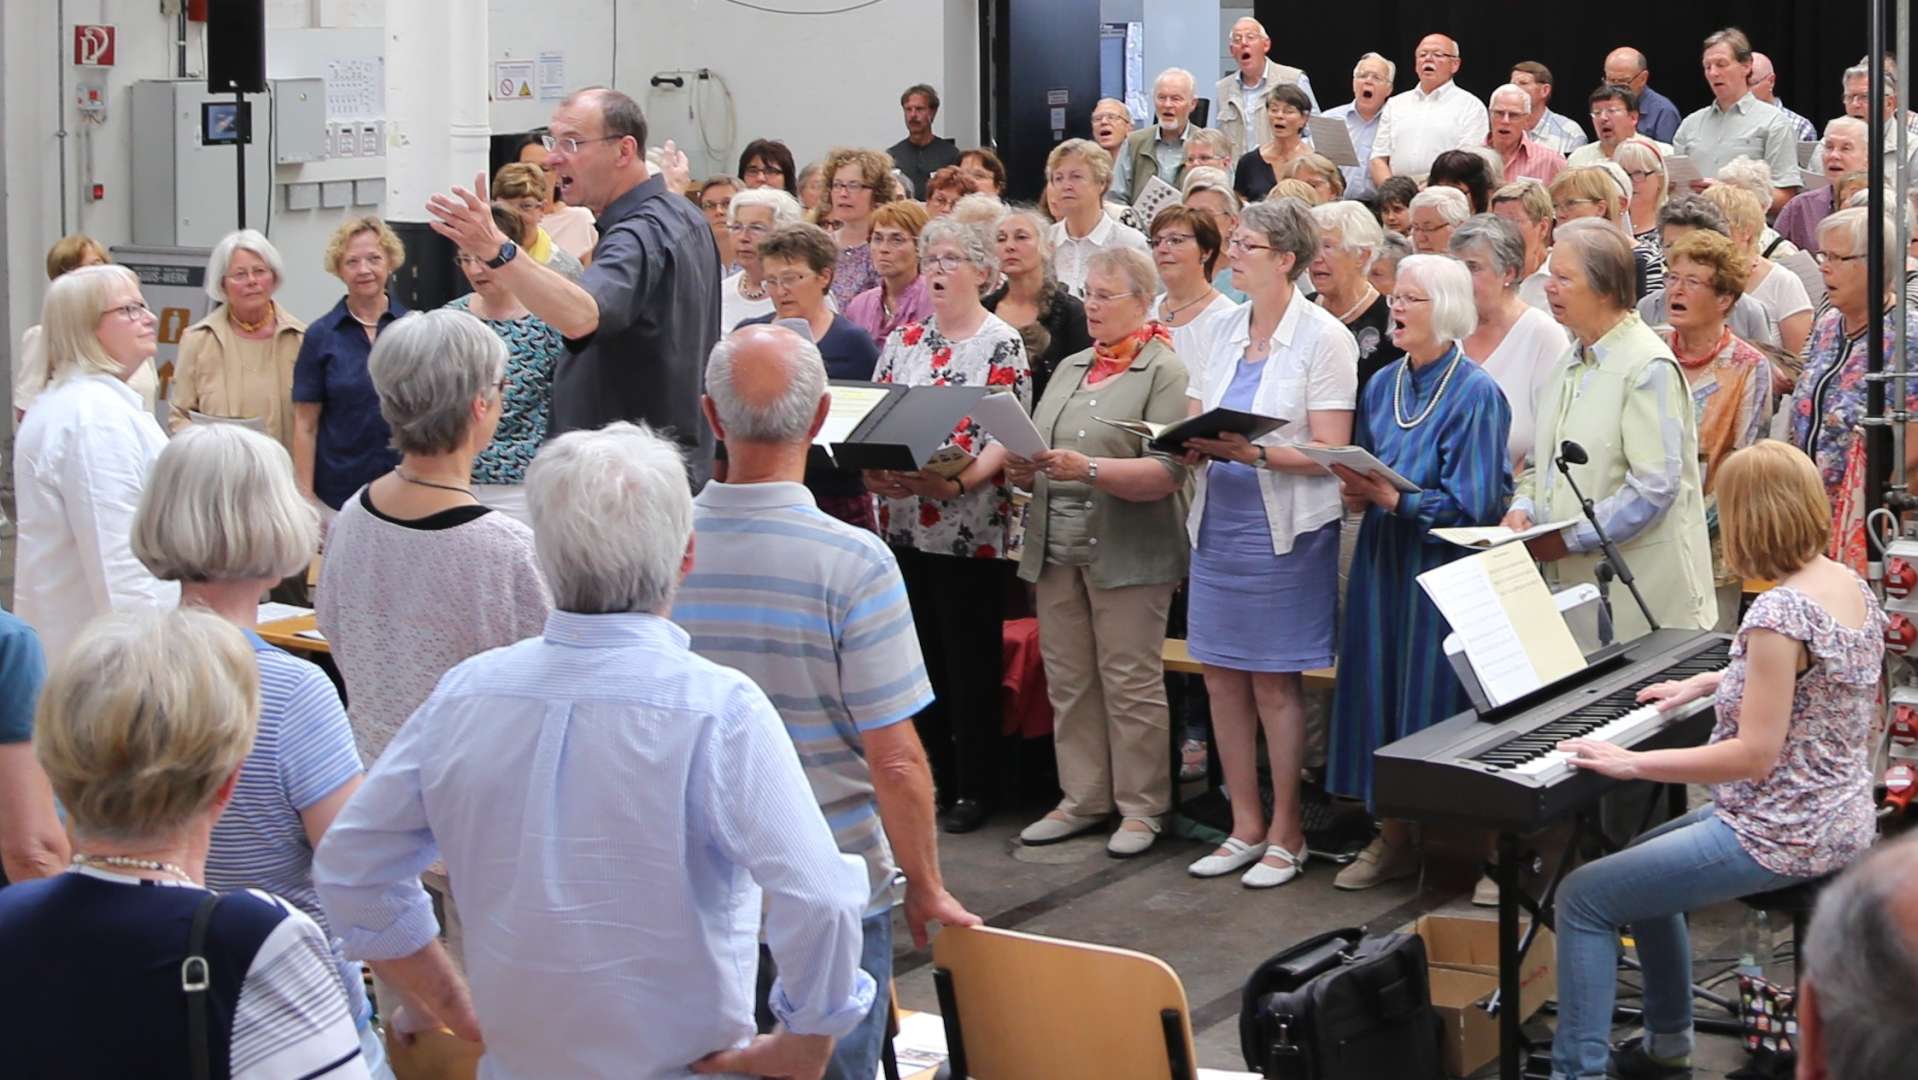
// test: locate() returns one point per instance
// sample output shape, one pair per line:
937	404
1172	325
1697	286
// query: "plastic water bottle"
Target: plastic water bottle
1755	943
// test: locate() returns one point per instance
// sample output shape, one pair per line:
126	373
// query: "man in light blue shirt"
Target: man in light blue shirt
1736	123
1371	86
609	806
814	610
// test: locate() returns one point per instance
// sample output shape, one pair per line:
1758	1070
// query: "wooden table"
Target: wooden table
285	633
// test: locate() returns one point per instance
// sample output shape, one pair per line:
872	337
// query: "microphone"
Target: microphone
1569	454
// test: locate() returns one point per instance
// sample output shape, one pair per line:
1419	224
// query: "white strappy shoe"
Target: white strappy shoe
1266	876
1232	855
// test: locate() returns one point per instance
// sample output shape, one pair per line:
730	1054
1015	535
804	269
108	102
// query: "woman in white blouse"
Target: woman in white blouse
1517	344
1186	250
81	460
749	217
1788	307
1264	527
950	532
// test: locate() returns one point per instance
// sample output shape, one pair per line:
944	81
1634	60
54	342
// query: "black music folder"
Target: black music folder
890	426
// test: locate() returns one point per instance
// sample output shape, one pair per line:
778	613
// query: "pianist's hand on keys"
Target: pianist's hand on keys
1598	753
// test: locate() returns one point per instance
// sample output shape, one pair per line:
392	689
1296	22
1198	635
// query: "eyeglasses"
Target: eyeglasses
755	229
1614	113
1236	244
847	187
944	264
1397	302
132	311
370	262
1857	99
889	240
1826	258
1428	54
1428	230
243	277
787	282
1508	114
1641	174
710	205
760	172
1245	37
1171	240
571	145
1102	299
1673	281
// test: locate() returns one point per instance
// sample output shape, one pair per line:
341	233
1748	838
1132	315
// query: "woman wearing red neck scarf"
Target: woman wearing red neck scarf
1105	545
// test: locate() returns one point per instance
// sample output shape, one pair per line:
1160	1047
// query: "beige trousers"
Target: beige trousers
1105	677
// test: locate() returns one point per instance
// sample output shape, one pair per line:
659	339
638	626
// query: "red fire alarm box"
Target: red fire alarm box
93	45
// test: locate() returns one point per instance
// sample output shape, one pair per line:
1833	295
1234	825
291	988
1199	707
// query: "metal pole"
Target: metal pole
243	130
1899	393
1877	468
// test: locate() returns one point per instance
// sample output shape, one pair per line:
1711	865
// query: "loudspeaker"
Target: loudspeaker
236	46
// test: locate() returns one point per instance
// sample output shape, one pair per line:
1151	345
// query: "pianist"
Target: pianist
1789	765
1620	395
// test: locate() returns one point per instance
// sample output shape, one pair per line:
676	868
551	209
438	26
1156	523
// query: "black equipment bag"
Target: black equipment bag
1342	1006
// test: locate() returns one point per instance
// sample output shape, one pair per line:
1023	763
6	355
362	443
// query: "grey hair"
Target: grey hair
427	368
1498	239
1207	178
786	209
221	505
1858	954
1391	69
1509	88
970	239
1212	137
1359	232
1135	266
1604	253
1287	225
1041	228
1454	313
222	258
1749	173
1854	224
1492	158
983	211
1862	70
1393	249
788	417
612	516
1192	84
1859	129
1694	212
1450	203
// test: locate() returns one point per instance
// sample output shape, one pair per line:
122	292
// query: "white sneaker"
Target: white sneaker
1232	855
1267	874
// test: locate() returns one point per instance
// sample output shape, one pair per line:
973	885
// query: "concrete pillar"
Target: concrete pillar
437	130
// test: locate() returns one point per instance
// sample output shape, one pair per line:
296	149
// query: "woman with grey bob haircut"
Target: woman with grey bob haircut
142	729
1516	343
969	239
783	420
612	519
420	574
221	506
237	362
1285	224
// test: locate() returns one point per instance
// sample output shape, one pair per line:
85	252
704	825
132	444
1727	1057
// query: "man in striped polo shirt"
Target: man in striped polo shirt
814	611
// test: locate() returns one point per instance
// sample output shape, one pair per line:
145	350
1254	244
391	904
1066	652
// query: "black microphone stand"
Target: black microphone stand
1613	560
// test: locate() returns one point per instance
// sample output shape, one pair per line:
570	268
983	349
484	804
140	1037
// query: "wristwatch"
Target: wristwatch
1259	462
506	252
1092	470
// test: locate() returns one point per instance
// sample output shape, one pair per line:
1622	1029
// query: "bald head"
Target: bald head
1435	60
1625	66
1764	78
766	384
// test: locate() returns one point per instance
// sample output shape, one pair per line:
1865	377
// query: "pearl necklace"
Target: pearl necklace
745	293
128	862
1398	391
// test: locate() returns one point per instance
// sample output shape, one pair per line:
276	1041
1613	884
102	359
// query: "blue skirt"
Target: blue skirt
1251	610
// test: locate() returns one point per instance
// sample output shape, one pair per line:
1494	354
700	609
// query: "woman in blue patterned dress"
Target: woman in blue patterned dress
1440	421
532	351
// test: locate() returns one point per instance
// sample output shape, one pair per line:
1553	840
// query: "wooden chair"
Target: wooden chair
1018	1006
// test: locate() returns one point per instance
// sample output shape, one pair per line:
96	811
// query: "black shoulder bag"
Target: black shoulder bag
196	979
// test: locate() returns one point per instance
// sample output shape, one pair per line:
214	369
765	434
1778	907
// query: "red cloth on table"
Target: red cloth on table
1025	709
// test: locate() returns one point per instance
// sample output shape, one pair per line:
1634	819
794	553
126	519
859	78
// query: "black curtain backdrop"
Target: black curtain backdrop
1811	42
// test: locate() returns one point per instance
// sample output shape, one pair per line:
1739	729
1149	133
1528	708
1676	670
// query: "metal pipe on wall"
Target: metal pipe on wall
1877	468
60	102
1901	363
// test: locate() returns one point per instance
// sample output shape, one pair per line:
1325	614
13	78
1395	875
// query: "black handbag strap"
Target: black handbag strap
195	979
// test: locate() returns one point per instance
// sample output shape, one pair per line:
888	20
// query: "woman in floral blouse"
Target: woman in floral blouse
1729	379
1829	400
1789	762
950	534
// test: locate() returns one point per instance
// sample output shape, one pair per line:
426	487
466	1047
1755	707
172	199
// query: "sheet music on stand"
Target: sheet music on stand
1499	607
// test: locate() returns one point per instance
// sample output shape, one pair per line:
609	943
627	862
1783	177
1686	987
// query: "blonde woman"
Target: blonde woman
1645	167
142	730
69	253
237	363
527	189
81	460
1788	307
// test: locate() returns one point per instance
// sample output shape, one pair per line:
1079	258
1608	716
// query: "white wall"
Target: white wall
816	81
1183	34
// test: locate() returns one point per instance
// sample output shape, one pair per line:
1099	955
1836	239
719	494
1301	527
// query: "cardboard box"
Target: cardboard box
1463	956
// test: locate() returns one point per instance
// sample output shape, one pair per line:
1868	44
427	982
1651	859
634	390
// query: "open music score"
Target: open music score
1499	607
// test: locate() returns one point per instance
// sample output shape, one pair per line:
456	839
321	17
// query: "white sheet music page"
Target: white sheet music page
1498	605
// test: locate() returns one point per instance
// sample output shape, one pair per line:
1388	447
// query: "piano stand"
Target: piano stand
1514	1047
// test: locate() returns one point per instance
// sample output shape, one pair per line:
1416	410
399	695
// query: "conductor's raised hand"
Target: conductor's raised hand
466	218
